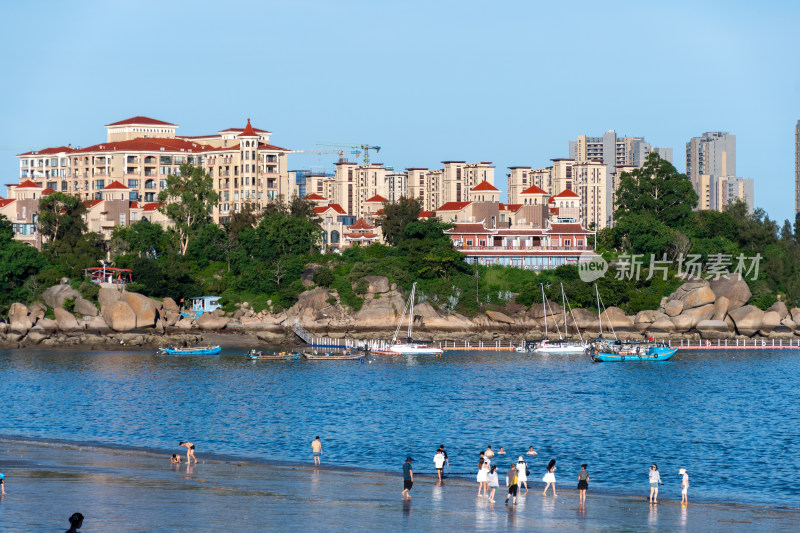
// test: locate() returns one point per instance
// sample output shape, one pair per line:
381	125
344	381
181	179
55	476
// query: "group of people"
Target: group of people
655	481
176	459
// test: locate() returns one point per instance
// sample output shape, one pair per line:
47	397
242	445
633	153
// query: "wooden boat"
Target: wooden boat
328	356
191	350
274	356
629	351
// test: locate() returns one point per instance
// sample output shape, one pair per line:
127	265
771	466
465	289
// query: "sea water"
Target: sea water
730	418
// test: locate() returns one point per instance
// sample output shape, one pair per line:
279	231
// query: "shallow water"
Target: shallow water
730	418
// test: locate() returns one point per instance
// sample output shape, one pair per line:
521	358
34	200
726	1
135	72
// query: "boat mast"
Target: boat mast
599	316
544	310
564	306
411	311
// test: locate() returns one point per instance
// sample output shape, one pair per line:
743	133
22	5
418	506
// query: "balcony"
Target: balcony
523	248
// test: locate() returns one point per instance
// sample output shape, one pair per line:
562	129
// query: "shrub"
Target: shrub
323	277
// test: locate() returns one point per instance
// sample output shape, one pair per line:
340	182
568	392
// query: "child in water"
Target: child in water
175	459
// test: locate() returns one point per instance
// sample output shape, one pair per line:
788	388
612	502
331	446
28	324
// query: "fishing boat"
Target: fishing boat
191	350
409	347
563	345
330	356
272	356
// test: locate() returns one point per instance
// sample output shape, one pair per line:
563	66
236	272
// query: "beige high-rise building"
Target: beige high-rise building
709	158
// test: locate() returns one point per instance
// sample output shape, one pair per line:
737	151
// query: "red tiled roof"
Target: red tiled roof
91	203
115	185
233	148
510	207
133	205
145	144
485	186
566	193
519	231
141	120
150	206
360	224
533	189
335	207
240	129
315	196
47	191
380	212
425	214
47	151
454	206
248	131
265	146
566	228
29	184
553	210
5	202
377	198
471	227
360	235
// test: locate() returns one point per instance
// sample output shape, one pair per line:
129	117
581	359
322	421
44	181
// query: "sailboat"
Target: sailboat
561	346
409	347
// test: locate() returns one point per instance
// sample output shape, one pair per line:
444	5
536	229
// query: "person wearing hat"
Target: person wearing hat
408	477
522	473
2	483
684	486
655	481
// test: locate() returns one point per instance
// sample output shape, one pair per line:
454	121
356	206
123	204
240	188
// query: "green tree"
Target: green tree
61	217
18	263
396	216
656	190
188	202
143	238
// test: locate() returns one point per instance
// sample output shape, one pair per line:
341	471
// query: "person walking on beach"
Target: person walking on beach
531	451
522	473
583	484
316	450
438	463
655	481
483	476
189	452
684	486
408	477
488	453
446	459
550	477
512	484
494	484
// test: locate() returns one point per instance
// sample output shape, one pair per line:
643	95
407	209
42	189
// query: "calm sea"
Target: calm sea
730	418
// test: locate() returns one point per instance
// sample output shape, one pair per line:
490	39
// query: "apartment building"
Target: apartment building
140	152
613	150
709	158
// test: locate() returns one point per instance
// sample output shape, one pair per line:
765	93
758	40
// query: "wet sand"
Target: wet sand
138	490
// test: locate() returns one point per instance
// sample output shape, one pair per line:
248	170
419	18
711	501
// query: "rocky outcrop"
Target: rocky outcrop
85	307
698	297
714	329
184	323
699	313
380	313
769	321
673	307
54	296
66	321
108	296
97	325
721	308
747	319
47	325
210	322
377	284
497	316
18	319
662	324
586	320
143	307
643	319
682	323
119	316
170	305
780	308
171	318
732	287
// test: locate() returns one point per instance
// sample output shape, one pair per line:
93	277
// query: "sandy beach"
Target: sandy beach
138	490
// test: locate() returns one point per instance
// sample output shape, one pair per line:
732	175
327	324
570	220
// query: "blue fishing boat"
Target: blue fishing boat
604	351
191	350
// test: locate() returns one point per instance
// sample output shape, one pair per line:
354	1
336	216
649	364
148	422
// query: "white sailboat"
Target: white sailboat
409	347
561	346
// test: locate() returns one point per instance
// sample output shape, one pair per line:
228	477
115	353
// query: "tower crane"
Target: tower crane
340	153
363	147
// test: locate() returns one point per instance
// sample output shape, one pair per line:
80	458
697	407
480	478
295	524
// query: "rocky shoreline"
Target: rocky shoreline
698	310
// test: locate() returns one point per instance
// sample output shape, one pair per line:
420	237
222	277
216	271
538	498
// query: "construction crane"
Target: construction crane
340	153
363	147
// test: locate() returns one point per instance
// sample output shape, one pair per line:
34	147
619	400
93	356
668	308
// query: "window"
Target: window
122	219
150	184
133	196
133	184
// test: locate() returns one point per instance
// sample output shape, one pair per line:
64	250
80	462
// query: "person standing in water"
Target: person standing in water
493	482
522	473
531	451
550	477
512	484
438	463
655	481
75	522
316	450
189	452
583	484
488	453
684	486
408	477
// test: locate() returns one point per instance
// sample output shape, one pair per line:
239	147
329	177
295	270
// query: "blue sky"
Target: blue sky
508	82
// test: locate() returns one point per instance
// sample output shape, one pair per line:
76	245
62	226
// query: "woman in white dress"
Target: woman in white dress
550	477
483	477
522	473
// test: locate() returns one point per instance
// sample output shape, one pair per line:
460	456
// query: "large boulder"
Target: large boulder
673	307
734	288
721	308
497	316
184	323
770	321
144	308
747	319
314	300
682	323
377	284
210	322
170	305
171	318
662	324
119	316
108	296
713	329
47	325
97	325
586	320
616	319
699	313
780	308
553	309
795	312
85	307
379	313
698	297
54	296
18	318
66	321
643	319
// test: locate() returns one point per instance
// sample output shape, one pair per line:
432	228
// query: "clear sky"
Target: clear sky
508	82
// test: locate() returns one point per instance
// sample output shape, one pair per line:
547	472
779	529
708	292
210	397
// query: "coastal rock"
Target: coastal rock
170	305
713	329
184	323
699	313
616	318
307	277
497	316
143	307
432	319
314	300
734	288
108	296
85	307
770	321
789	323
54	296
682	322
380	313
586	320
747	319
36	335
210	322
119	316
171	318
662	324
377	284
66	321
721	308
795	312
160	325
780	308
643	319
47	325
673	308
698	297
18	318
553	309
681	292
97	325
